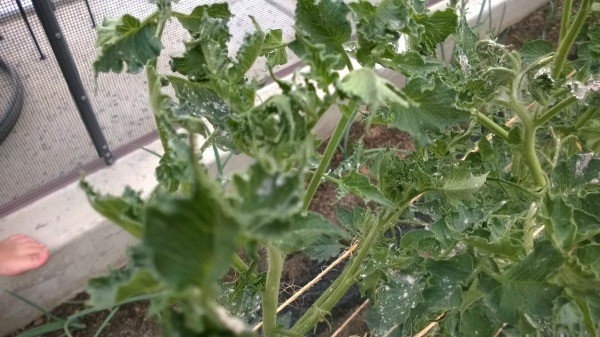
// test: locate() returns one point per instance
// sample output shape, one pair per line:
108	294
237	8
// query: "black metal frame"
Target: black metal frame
45	13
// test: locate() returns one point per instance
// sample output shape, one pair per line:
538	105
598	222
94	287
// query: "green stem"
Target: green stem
346	57
152	75
490	124
271	293
567	42
566	18
334	141
546	116
587	115
530	155
510	183
239	264
347	278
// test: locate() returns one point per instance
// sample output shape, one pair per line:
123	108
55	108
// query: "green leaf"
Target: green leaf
400	181
360	185
273	48
247	54
590	134
193	21
135	279
474	322
266	202
561	227
444	290
191	239
525	288
372	90
437	26
412	63
125	211
395	300
276	133
433	107
197	101
575	172
534	50
317	58
125	40
324	23
505	247
305	230
459	184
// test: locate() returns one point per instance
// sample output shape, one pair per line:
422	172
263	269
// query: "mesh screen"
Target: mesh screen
49	140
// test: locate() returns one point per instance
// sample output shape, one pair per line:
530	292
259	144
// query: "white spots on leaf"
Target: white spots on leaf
582	163
265	189
464	64
232	323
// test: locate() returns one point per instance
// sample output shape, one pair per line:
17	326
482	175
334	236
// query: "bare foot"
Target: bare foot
20	253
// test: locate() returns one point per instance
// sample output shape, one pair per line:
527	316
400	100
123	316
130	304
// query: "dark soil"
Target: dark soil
132	320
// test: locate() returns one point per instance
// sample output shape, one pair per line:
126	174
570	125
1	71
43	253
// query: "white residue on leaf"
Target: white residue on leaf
582	163
280	180
404	295
266	187
578	89
230	322
410	279
464	64
544	72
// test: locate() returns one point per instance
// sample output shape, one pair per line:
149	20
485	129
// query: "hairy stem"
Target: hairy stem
152	75
490	124
587	115
239	264
546	116
566	18
271	292
334	141
347	278
572	31
530	156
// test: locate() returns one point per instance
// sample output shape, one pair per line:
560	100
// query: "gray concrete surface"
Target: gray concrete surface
81	242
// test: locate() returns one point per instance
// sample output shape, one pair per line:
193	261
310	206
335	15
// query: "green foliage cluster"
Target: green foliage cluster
504	237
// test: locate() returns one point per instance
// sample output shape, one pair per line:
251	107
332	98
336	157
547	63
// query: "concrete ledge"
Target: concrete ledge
83	244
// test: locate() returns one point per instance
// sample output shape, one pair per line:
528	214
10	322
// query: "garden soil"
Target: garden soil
132	320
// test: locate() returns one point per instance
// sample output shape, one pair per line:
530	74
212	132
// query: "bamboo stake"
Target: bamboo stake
349	319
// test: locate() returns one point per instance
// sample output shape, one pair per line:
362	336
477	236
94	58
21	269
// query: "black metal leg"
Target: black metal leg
69	70
37	45
87	4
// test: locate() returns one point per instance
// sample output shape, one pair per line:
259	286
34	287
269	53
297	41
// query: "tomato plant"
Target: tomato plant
503	184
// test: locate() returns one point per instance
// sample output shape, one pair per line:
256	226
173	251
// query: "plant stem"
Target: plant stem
568	40
152	75
334	141
490	124
587	115
239	264
546	116
271	292
340	286
530	155
566	17
346	58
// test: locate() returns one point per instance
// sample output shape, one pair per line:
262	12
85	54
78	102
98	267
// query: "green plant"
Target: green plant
509	235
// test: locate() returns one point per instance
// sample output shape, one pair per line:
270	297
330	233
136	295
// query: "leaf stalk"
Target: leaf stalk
271	291
572	31
334	141
490	124
546	116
